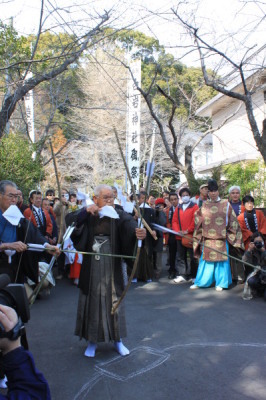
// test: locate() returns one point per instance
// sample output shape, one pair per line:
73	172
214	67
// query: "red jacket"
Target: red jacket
246	232
187	219
28	214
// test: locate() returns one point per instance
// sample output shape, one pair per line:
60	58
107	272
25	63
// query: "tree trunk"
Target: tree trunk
189	173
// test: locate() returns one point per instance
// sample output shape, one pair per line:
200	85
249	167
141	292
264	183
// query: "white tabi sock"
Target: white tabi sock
121	349
90	350
3	382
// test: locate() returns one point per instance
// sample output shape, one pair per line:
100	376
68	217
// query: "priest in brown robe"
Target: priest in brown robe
216	227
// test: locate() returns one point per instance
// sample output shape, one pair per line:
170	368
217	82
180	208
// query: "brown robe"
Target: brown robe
211	230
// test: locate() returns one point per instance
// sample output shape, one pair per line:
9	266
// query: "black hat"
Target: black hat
247	199
212	185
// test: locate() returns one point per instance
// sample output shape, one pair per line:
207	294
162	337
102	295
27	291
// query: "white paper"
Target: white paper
144	205
119	192
123	201
164	229
86	200
13	215
89	201
129	207
35	247
80	195
108	211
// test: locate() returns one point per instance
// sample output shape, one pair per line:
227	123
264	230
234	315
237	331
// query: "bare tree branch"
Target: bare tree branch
24	87
245	96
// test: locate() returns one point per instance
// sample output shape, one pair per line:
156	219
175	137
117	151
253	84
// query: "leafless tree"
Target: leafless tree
92	156
79	42
177	135
247	70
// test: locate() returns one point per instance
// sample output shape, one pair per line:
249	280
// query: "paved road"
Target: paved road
184	345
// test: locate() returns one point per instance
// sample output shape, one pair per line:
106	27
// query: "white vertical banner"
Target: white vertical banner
28	99
133	124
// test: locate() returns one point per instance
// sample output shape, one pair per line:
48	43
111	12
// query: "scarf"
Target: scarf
41	224
251	221
236	207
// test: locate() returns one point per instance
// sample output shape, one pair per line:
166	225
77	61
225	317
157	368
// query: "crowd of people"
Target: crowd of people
192	217
189	260
209	228
209	241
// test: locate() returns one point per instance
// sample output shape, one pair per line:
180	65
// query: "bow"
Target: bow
140	222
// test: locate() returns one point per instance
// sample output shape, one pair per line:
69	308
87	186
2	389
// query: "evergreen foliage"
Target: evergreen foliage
17	163
250	176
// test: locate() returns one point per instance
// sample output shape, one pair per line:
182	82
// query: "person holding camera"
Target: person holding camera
251	220
24	381
256	255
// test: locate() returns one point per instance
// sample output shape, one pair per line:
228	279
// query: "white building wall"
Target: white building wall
235	137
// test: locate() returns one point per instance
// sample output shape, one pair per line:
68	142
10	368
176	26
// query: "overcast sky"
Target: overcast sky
231	23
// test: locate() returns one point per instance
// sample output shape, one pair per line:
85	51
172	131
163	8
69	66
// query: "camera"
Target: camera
14	295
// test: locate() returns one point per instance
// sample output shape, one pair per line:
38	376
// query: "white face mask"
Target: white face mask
185	199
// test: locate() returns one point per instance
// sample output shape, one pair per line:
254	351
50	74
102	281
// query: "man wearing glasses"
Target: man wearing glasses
14	238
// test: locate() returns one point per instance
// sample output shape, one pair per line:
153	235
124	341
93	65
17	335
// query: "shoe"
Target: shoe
59	277
149	280
134	280
193	287
219	289
179	279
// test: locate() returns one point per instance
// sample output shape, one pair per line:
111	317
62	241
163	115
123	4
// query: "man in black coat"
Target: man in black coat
101	280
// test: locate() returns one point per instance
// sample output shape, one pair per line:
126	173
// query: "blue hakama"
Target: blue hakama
214	271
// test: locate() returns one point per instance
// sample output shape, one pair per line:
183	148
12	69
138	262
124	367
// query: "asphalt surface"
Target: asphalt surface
184	344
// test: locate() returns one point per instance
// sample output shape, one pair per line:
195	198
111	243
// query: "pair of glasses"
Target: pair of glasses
12	196
106	198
